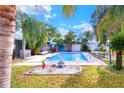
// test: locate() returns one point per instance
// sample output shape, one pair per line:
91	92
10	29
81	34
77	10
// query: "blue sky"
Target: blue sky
52	14
76	23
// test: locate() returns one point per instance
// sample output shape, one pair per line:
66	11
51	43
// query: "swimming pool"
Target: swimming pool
67	57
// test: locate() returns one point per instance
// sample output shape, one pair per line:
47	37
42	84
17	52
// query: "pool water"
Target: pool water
67	57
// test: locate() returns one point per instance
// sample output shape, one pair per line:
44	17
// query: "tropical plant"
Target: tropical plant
117	44
20	21
7	32
68	10
101	48
69	39
51	30
111	22
99	13
85	39
35	34
58	39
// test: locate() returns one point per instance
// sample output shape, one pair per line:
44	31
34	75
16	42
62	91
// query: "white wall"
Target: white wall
76	47
27	53
92	46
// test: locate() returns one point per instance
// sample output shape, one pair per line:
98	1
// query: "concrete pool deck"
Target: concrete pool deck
37	59
55	70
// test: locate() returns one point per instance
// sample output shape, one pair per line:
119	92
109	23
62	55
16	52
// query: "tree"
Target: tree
35	34
7	32
69	39
51	30
117	44
85	39
98	14
110	23
20	21
58	39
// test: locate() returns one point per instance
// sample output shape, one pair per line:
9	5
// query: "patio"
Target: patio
69	68
55	70
37	59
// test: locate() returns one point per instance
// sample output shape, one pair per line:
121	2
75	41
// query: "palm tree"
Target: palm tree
51	30
117	44
20	21
7	32
69	39
58	39
85	39
109	23
35	34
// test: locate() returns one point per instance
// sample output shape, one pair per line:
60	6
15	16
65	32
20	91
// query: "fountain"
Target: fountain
60	63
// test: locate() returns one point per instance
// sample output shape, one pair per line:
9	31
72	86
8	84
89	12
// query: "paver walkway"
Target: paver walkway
35	60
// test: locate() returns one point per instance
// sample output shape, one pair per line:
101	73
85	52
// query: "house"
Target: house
18	46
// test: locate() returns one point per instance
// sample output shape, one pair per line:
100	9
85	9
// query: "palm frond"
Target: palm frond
34	33
68	10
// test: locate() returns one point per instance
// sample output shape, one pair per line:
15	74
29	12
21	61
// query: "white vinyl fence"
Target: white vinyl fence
76	47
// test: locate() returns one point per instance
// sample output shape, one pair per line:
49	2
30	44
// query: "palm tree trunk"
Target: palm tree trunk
23	40
7	32
119	59
69	47
23	47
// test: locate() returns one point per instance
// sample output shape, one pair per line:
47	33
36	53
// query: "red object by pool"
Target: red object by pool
43	65
53	65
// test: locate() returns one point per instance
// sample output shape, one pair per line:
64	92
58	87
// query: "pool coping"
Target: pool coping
36	60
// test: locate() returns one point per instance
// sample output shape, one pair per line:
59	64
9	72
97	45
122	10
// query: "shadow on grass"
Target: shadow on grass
95	77
90	77
110	79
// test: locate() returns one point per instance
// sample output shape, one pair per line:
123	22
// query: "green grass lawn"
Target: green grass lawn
107	61
91	76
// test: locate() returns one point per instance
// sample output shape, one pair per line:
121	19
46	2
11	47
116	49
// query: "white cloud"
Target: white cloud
63	31
83	27
54	15
35	10
48	16
44	10
47	8
62	25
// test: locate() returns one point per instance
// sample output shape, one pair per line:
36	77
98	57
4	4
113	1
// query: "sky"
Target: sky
52	14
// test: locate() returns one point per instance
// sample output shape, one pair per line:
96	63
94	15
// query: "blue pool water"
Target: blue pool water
67	57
